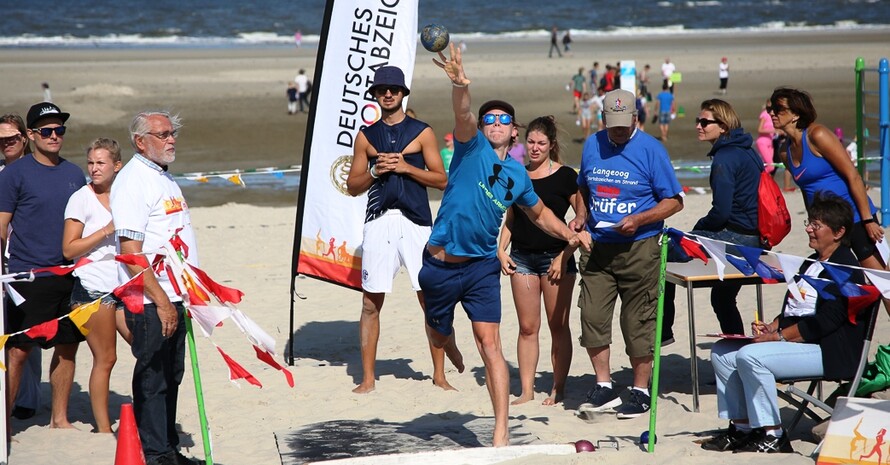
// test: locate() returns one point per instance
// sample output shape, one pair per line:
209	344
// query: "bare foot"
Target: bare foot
444	385
500	440
61	425
364	388
453	354
553	399
523	398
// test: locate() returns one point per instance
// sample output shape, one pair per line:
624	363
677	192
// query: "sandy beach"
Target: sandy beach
234	108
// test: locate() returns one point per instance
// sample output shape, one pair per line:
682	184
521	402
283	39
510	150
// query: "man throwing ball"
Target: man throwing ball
460	262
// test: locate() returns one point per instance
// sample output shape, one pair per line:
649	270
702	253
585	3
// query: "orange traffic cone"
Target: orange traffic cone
129	447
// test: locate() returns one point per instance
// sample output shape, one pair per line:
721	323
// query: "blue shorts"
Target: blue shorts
664	118
538	263
476	284
81	295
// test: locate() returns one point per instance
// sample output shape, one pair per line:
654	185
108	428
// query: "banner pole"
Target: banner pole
656	362
199	391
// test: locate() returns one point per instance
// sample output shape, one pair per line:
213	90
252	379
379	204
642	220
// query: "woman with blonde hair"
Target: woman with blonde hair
89	232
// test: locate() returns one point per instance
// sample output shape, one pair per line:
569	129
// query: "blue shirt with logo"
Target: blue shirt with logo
481	187
625	179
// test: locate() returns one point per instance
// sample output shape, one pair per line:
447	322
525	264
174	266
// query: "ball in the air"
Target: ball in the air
644	438
434	37
584	445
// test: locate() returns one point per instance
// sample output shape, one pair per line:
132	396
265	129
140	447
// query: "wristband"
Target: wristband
458	85
869	220
373	172
781	337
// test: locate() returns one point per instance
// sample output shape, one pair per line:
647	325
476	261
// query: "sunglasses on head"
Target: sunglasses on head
46	132
489	118
382	90
704	122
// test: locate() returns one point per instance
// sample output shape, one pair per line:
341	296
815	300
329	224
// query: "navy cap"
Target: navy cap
499	104
43	110
389	76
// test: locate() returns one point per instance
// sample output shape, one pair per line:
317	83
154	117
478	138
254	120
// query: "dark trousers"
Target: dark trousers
160	363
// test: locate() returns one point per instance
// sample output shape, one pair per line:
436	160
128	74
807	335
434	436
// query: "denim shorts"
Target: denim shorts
537	263
81	295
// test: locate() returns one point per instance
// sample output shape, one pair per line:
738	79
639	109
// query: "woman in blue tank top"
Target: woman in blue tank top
538	264
818	162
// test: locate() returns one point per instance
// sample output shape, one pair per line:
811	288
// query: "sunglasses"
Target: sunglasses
776	109
10	140
704	122
382	90
489	118
46	132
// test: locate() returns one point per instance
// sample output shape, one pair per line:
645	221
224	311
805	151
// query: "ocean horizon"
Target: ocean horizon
265	23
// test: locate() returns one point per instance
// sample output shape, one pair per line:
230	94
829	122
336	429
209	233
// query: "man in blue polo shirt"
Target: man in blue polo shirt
629	185
460	262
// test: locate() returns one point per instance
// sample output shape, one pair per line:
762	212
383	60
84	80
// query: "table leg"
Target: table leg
759	302
693	358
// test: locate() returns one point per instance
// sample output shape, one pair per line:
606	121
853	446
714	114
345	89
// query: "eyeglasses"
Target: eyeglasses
704	122
813	224
489	118
164	135
382	90
10	140
46	132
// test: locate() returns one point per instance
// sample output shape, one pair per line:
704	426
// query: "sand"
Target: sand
234	108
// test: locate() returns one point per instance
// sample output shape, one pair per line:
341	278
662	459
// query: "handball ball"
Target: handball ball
434	37
584	445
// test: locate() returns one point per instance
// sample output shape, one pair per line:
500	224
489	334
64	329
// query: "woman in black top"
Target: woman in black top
538	265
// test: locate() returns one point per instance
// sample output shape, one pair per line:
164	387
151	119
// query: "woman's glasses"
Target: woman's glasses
46	132
503	118
704	122
812	224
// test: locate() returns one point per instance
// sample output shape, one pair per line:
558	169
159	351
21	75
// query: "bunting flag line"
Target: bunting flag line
237	371
267	357
717	251
80	315
132	292
843	278
46	330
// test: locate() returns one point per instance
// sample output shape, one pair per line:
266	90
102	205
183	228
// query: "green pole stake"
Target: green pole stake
858	70
199	392
656	363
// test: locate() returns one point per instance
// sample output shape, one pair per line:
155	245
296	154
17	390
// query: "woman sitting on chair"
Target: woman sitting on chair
810	338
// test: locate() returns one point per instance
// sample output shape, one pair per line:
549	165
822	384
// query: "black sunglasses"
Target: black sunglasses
46	132
704	122
382	90
503	118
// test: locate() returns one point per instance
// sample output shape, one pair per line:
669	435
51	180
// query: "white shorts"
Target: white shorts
390	242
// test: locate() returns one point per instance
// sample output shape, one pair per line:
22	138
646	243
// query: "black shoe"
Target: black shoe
668	341
600	398
762	442
168	459
183	460
636	405
730	439
23	413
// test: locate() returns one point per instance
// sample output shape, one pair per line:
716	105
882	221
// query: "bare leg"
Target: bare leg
18	356
369	334
120	321
61	377
438	356
102	341
497	377
642	367
599	358
557	305
527	296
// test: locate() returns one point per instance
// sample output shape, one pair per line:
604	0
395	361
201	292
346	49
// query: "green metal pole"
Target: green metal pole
656	362
859	70
199	391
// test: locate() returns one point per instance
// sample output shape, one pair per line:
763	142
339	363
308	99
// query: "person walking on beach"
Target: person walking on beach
89	232
644	84
628	183
665	106
291	98
33	195
460	261
148	210
567	42
667	74
554	43
404	161
723	74
540	265
579	86
594	76
15	144
303	85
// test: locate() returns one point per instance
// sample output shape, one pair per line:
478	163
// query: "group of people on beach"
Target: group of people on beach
498	216
51	217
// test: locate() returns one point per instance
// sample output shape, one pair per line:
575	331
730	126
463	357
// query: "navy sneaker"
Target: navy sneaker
764	443
728	440
600	398
636	405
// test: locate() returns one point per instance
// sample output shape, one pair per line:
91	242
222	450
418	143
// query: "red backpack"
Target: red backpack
773	219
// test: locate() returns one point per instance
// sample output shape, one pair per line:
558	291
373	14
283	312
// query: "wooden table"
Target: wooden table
694	275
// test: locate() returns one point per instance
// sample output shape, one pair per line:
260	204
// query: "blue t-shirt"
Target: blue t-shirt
625	179
481	187
36	195
665	101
